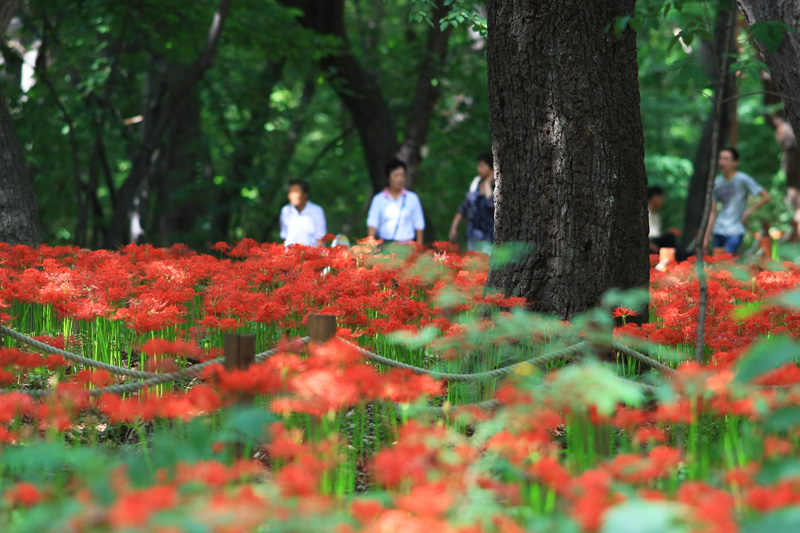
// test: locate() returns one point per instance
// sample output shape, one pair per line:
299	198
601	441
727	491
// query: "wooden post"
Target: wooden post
321	328
240	352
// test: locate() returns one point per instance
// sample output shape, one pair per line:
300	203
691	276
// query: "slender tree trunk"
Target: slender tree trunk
784	63
419	115
568	151
142	161
728	28
182	183
360	91
703	156
19	216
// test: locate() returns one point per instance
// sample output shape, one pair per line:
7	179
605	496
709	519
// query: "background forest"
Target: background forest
87	83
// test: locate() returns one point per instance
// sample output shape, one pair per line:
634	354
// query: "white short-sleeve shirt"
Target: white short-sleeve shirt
396	219
302	227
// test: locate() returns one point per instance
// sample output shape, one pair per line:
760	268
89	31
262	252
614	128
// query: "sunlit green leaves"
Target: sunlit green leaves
595	384
414	340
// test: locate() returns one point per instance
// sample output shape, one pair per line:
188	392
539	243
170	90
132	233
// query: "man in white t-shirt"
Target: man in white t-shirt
302	221
732	189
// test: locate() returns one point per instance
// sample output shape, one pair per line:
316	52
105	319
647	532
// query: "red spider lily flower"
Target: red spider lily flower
776	447
713	508
402	385
765	499
118	409
679	411
550	472
786	374
366	511
428	499
623	312
742	477
7	378
286	443
396	520
97	378
23	494
13	404
648	434
300	478
652	495
135	508
591	496
216	474
177	347
54	362
629	419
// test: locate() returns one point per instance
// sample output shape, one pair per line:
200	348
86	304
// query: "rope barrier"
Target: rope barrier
153	379
75	358
480	376
114	369
630	352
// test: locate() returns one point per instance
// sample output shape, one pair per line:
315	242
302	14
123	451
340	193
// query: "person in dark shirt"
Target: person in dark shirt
478	209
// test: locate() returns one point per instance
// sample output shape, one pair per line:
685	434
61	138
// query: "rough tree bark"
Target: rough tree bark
19	216
696	196
568	151
784	63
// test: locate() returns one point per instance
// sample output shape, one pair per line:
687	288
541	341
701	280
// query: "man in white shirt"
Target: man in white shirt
396	213
302	221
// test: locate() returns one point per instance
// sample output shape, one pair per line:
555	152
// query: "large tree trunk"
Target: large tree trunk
568	152
695	200
784	64
19	217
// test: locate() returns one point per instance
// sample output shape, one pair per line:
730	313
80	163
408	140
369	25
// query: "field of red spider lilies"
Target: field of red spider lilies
500	420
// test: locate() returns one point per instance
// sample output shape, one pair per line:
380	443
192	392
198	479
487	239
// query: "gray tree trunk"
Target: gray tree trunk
568	151
695	200
19	216
784	64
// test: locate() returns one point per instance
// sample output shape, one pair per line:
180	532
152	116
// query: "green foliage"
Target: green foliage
786	519
461	12
642	516
594	384
268	113
771	33
766	355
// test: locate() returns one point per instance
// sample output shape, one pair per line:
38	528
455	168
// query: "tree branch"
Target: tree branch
141	162
700	242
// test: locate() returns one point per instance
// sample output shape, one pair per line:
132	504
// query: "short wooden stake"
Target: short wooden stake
240	352
321	328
